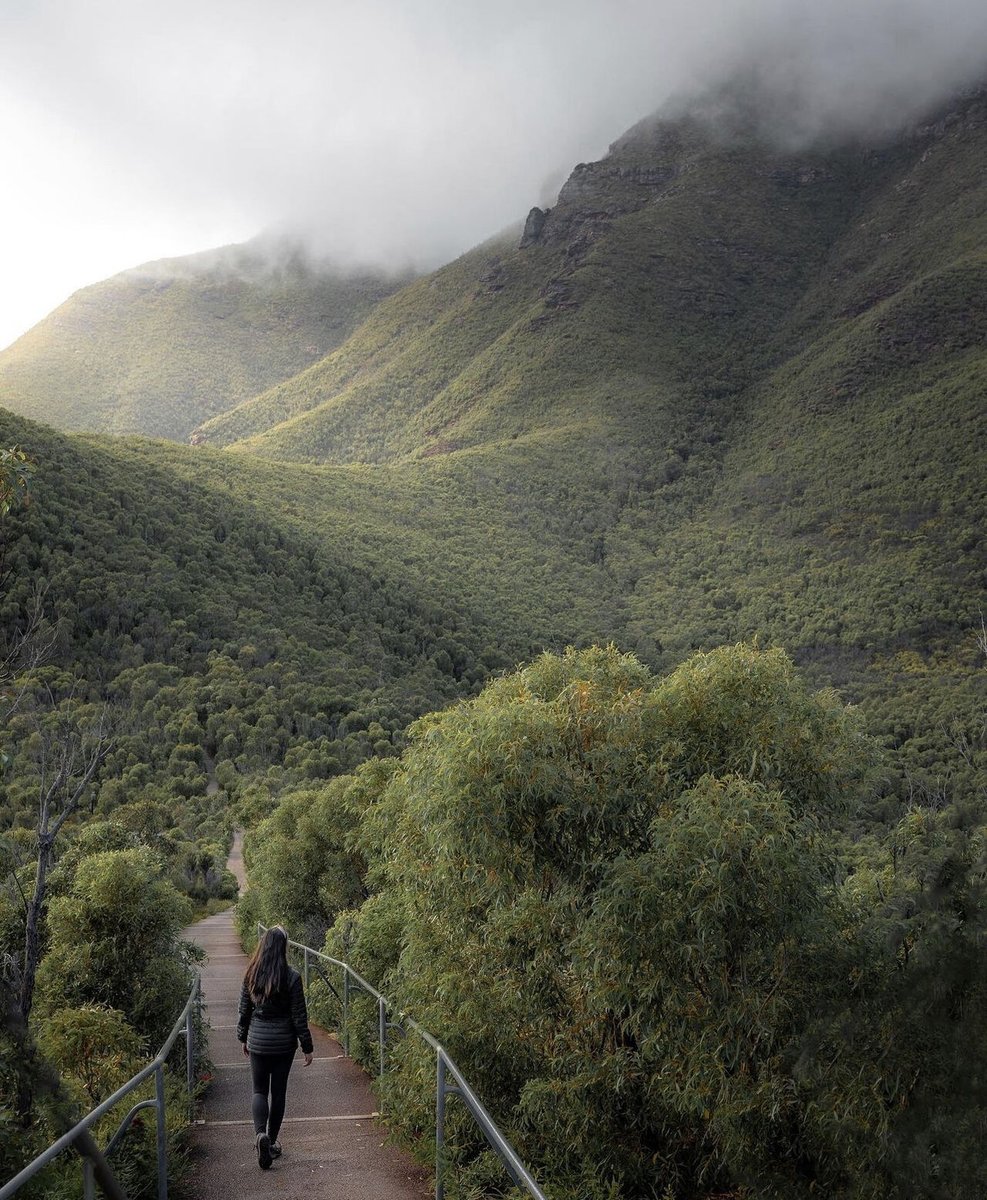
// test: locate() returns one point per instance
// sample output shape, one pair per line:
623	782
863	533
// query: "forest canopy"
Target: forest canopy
632	906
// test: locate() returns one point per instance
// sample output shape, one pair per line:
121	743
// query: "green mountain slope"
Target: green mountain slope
741	391
163	347
228	638
640	288
673	275
716	393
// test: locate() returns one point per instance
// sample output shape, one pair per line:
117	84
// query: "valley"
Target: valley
649	533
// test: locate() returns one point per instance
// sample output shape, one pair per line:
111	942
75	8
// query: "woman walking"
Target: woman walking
273	1021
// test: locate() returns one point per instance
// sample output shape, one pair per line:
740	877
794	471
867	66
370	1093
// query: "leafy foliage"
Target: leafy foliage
112	939
625	905
16	469
302	857
113	980
96	1046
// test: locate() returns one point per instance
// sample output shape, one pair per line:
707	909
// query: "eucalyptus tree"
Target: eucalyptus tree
68	746
614	898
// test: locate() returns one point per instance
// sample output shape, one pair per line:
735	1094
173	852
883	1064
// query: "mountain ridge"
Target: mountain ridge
670	173
749	406
160	346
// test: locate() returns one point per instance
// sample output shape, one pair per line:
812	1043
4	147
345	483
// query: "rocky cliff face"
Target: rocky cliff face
650	161
593	196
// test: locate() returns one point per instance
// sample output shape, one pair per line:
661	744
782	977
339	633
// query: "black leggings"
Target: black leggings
270	1074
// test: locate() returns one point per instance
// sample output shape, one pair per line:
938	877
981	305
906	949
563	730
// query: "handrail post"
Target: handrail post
95	1167
440	1124
346	1010
159	1095
305	968
190	1046
382	1035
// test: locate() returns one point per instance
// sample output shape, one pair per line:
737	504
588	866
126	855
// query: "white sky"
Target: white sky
385	130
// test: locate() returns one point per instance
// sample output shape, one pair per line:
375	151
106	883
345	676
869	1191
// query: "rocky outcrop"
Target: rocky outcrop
533	227
594	195
628	187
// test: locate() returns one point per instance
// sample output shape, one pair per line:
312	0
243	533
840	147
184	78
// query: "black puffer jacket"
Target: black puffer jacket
277	1025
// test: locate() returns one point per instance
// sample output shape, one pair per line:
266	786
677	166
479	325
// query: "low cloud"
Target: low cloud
405	131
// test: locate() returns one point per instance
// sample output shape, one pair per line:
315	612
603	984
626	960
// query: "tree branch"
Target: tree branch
96	760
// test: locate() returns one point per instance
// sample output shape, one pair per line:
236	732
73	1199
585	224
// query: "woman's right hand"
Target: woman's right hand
308	1060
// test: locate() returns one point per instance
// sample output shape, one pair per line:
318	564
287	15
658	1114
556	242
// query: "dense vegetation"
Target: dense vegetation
636	911
113	979
201	656
719	396
232	641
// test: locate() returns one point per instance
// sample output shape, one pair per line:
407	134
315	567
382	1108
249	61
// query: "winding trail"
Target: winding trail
333	1145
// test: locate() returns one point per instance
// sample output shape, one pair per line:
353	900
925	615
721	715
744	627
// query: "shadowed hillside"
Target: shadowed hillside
238	644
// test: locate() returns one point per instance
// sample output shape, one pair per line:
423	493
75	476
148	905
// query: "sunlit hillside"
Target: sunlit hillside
159	349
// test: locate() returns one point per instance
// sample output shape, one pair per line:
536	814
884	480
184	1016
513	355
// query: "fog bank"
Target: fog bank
403	131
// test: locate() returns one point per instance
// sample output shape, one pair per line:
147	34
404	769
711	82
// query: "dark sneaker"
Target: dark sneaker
263	1144
275	1150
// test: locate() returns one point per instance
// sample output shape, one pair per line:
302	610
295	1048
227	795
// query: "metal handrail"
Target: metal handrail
445	1069
184	1024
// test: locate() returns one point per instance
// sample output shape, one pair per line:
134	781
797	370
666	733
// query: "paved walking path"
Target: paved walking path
332	1144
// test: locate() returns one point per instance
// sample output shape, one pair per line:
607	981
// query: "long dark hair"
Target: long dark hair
267	971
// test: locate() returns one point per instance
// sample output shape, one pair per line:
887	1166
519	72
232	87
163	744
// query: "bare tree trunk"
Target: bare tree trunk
77	761
77	758
32	925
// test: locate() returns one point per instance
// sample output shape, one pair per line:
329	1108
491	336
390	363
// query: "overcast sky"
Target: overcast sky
388	130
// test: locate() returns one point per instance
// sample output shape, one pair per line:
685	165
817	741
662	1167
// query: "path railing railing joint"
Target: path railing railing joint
184	1026
449	1080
